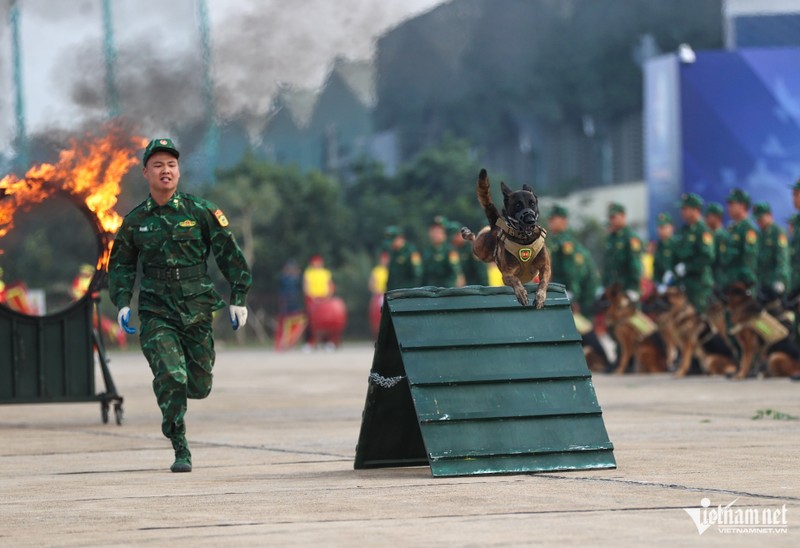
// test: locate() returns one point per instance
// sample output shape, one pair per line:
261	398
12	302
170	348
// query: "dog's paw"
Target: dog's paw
522	296
540	299
467	234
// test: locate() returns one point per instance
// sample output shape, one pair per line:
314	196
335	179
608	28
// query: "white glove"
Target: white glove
238	316
599	292
123	317
779	287
632	295
680	269
668	278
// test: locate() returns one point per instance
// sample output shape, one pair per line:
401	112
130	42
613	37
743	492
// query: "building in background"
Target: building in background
761	23
717	120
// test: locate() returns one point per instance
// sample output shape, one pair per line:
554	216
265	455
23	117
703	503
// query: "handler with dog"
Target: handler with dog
173	234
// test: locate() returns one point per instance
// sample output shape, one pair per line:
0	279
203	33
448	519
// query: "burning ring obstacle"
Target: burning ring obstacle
51	358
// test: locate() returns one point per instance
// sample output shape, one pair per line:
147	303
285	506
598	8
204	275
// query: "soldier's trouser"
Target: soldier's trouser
181	358
698	295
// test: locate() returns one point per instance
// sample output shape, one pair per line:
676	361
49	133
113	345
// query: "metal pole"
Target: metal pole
212	132
21	139
111	58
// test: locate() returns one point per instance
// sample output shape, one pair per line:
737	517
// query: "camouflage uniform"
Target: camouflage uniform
587	279
440	265
664	254
474	270
176	297
564	270
794	262
695	250
740	251
623	257
773	254
405	267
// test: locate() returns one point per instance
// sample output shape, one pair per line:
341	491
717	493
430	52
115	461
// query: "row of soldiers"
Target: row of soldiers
445	261
702	255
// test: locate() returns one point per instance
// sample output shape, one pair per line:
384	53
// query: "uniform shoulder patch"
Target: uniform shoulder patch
751	237
567	248
416	258
453	257
221	218
636	245
579	259
708	239
782	240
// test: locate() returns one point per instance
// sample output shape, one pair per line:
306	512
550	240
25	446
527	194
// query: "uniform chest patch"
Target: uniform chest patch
187	223
221	218
567	248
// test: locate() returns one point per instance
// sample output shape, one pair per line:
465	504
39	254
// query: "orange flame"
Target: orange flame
89	171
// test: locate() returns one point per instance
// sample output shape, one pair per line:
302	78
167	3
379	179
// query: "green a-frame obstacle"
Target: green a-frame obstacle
470	382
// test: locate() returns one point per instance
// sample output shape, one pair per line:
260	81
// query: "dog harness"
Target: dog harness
523	252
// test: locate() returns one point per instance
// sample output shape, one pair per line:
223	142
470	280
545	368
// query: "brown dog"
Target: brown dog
697	337
513	241
760	335
636	334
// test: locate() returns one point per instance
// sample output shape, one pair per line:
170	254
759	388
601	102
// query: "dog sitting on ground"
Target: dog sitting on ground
697	338
760	336
513	240
636	334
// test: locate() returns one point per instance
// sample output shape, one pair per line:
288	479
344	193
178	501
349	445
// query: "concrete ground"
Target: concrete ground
273	451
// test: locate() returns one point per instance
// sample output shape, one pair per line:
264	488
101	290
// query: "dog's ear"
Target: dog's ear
506	191
528	188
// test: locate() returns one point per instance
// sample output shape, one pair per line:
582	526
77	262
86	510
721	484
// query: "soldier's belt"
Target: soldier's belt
176	274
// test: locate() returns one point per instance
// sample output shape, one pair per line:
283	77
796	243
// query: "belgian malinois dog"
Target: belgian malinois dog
698	338
636	334
513	240
760	336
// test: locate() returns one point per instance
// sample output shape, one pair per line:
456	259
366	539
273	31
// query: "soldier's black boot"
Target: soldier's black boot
183	457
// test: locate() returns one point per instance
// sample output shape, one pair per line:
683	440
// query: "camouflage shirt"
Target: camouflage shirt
405	268
773	256
663	258
179	234
623	259
740	254
441	266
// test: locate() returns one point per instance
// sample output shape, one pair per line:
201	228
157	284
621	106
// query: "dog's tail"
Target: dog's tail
485	198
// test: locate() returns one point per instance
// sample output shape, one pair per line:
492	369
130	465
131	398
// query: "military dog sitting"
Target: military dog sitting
513	240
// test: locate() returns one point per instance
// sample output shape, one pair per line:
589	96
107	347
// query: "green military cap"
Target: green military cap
796	185
439	220
691	200
714	208
453	227
664	219
615	207
739	196
559	211
159	145
759	208
392	231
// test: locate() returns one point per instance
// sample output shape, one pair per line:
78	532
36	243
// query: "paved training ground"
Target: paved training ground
273	455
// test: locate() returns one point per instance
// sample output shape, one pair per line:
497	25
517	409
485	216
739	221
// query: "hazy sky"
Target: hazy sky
256	45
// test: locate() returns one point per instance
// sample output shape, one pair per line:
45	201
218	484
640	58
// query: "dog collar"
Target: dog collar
517	235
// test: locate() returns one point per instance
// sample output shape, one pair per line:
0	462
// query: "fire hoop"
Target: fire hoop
51	358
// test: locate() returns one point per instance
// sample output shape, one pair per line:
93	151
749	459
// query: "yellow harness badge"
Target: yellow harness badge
221	218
